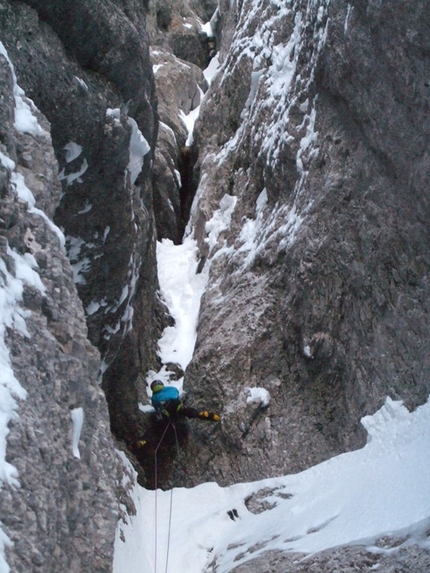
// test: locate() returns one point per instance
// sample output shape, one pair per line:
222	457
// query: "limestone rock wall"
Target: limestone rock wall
180	51
86	65
59	497
313	150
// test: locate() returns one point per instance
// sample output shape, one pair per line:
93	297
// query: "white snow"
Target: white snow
113	112
76	176
307	351
82	266
212	69
181	288
73	150
259	396
189	120
87	207
82	83
79	264
77	415
348	14
353	498
92	307
220	220
139	147
25	119
207	29
7	162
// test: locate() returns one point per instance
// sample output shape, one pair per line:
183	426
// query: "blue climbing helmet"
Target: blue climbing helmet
156	386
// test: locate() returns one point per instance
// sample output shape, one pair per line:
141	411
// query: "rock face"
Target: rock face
313	151
311	217
180	50
61	503
346	559
86	65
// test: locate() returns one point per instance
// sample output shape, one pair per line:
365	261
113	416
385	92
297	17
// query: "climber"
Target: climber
167	403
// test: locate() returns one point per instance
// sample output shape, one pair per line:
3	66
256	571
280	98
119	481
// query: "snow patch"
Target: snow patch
181	289
76	176
213	68
77	415
73	150
7	162
354	498
259	396
25	118
113	112
139	147
79	264
348	14
87	207
220	220
82	83
207	29
189	120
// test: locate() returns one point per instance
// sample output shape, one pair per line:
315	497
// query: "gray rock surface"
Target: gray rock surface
86	65
317	132
180	86
176	26
391	557
313	148
63	515
180	50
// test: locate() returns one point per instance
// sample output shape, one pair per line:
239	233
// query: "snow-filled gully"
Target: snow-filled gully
351	499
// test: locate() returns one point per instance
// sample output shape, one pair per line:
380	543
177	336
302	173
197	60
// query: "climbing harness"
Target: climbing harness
170	424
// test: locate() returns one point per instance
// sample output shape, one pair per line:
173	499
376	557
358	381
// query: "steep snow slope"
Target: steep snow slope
369	508
376	498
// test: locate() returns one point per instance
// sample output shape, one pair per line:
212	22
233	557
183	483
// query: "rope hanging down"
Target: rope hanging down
156	500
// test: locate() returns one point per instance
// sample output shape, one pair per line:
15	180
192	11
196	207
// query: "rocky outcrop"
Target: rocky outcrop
385	557
86	65
59	498
181	47
311	217
314	157
181	86
176	27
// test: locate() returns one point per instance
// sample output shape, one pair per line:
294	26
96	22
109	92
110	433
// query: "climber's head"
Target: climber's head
156	386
